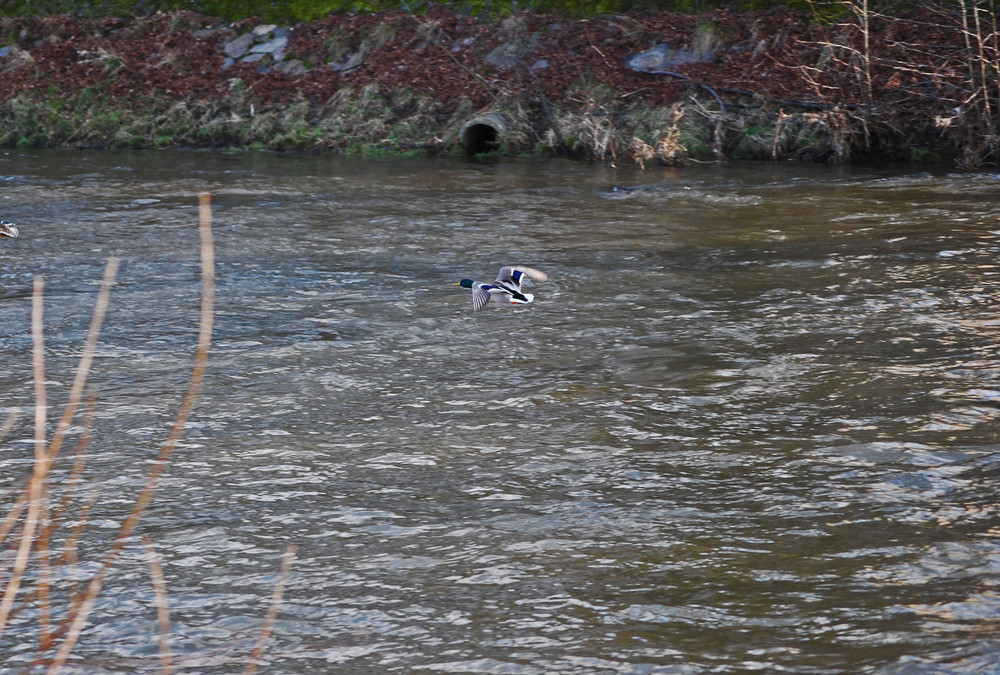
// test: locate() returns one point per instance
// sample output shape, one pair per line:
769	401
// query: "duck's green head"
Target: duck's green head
465	283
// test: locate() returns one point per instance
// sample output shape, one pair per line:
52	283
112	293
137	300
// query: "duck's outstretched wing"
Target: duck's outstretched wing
480	296
513	275
7	229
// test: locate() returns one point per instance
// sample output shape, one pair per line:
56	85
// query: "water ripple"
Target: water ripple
748	425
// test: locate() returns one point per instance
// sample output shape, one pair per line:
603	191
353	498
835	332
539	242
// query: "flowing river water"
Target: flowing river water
749	424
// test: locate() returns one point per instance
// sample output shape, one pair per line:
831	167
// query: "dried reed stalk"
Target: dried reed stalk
13	515
162	605
78	617
87	358
272	611
40	524
76	390
76	473
995	60
35	493
984	65
36	485
38	504
44	586
45	536
68	555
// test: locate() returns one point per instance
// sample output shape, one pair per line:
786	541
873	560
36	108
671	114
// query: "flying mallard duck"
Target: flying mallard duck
508	283
7	229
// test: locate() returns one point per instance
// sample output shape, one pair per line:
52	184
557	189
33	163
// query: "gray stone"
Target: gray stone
263	29
237	47
349	61
291	68
270	46
662	57
462	44
510	54
5	51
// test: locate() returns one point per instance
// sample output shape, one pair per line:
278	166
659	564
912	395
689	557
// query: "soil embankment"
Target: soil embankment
662	88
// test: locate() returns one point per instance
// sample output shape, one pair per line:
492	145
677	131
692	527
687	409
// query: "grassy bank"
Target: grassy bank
777	84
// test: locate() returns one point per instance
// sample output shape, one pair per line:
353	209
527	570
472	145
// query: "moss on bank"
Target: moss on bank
372	121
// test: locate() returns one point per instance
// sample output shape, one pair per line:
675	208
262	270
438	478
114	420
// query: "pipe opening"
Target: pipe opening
482	134
480	138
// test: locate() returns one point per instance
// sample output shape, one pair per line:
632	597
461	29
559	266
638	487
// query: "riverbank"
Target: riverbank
665	88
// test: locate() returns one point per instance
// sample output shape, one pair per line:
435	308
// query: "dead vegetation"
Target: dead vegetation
47	523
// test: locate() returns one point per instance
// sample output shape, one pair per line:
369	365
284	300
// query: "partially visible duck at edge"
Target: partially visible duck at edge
507	285
7	229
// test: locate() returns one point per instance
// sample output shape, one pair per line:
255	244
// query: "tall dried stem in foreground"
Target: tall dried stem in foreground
36	486
76	390
162	605
272	611
38	524
35	492
78	618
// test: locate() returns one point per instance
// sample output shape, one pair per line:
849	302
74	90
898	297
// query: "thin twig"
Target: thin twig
78	618
76	390
36	487
694	82
45	536
76	473
438	43
89	349
162	605
272	611
545	108
13	514
983	65
68	555
43	587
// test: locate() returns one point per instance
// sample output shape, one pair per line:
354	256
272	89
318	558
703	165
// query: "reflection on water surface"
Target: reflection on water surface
748	424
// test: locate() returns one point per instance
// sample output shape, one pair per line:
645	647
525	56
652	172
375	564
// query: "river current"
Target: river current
749	424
